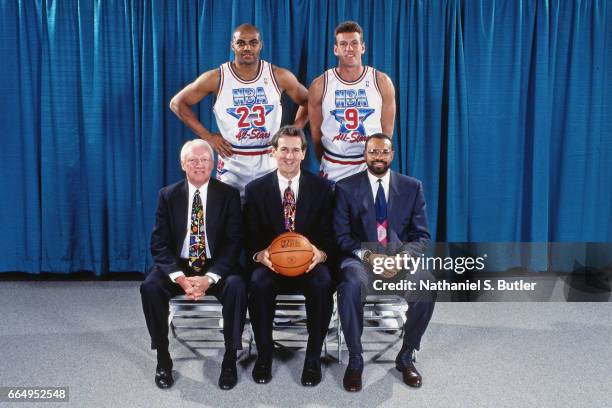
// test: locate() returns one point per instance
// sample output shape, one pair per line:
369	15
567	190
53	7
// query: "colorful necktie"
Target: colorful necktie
197	235
381	214
289	208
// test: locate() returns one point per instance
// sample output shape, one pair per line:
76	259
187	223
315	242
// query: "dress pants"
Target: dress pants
354	284
317	288
157	290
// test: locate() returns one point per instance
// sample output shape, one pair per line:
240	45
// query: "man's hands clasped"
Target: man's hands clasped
195	287
372	258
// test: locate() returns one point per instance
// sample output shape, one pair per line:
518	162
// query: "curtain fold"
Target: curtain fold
504	111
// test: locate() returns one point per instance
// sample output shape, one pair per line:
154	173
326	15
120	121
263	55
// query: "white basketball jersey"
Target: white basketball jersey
351	112
248	114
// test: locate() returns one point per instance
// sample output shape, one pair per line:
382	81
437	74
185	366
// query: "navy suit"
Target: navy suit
224	240
355	225
264	221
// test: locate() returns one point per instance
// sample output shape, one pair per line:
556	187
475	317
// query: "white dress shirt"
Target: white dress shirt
185	249
385	183
374	186
284	182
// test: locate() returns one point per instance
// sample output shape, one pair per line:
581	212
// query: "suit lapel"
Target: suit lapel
394	200
180	210
303	203
212	213
275	204
368	210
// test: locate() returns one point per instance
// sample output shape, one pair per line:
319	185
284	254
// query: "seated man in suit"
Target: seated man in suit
195	244
386	208
289	199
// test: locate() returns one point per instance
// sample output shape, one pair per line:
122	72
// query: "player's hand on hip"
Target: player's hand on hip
221	146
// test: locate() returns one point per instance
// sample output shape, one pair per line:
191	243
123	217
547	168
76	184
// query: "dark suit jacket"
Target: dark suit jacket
223	227
355	215
263	212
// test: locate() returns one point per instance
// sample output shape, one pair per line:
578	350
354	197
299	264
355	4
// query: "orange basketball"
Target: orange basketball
291	254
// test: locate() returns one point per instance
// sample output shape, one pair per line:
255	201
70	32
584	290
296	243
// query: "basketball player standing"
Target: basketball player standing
247	108
348	103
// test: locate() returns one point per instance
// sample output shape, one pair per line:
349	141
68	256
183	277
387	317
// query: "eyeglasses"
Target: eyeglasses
197	160
379	152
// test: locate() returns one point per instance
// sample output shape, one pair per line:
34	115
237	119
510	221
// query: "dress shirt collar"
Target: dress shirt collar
283	182
192	189
385	183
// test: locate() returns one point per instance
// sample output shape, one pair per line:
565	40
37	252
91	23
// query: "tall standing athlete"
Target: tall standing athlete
347	104
247	108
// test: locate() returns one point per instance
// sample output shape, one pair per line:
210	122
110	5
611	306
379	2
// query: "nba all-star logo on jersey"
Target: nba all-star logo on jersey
352	109
250	108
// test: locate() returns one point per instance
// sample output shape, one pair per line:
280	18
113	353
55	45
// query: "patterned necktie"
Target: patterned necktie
197	235
289	208
381	214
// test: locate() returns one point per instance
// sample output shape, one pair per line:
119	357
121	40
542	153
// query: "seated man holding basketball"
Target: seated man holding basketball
289	200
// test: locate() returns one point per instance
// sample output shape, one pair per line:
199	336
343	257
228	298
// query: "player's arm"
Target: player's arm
192	94
387	91
296	91
315	114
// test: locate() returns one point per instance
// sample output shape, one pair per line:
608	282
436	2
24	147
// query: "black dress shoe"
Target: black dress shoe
163	378
311	375
228	378
410	375
352	379
262	372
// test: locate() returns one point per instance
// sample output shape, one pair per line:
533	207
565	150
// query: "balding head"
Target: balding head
246	45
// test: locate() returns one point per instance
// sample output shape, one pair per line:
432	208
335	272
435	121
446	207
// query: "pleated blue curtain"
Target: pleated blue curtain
504	113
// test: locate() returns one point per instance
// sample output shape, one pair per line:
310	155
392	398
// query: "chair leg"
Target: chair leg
325	345
340	338
170	317
172	329
250	339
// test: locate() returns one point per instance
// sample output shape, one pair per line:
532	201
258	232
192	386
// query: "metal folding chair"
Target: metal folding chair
203	314
380	312
291	314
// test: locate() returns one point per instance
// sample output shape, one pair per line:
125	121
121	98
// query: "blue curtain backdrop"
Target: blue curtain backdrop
504	113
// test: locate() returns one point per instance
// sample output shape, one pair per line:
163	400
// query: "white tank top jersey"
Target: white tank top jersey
248	114
351	111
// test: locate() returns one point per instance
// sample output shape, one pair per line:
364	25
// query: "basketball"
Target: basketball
290	254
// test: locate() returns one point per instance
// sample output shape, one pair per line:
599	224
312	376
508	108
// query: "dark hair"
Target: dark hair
378	136
289	131
348	27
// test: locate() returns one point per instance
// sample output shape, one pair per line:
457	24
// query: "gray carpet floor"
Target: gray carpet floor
91	337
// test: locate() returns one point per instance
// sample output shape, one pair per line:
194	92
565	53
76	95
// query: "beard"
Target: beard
378	170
